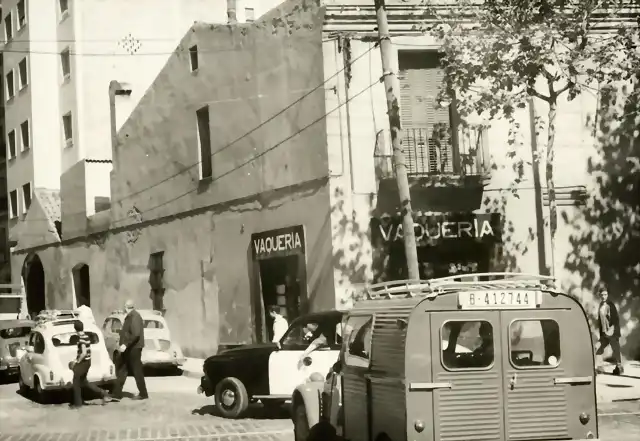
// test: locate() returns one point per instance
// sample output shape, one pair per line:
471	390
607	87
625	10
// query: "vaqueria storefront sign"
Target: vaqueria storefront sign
280	242
435	228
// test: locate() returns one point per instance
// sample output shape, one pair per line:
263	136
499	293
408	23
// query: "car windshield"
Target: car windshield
10	305
17	332
71	339
153	324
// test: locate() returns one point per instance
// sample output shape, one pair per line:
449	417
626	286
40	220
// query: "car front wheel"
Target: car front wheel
300	423
232	400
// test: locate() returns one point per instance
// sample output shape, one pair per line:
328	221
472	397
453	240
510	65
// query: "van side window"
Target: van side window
534	343
358	332
467	344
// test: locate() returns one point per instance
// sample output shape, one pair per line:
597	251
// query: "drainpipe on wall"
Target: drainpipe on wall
540	233
115	89
231	12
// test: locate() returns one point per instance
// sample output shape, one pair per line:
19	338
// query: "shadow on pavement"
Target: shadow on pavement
65	397
255	411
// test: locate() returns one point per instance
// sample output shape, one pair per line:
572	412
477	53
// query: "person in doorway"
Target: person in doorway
80	367
609	327
130	358
280	324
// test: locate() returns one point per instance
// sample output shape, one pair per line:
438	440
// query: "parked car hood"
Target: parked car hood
250	350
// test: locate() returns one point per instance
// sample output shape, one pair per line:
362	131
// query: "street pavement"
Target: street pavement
175	412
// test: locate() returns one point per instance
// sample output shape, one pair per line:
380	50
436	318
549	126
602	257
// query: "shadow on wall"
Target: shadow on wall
606	235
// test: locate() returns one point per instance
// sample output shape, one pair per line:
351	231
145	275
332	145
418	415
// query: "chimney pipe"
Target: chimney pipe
231	12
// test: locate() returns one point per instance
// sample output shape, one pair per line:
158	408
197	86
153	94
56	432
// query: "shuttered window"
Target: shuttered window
426	129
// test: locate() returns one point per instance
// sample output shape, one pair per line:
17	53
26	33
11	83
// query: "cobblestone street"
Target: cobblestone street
176	412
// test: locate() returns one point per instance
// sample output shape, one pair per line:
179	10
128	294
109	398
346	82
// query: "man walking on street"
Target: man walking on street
80	367
129	360
609	327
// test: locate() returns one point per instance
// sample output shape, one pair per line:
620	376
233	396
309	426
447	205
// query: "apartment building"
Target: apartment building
5	266
58	61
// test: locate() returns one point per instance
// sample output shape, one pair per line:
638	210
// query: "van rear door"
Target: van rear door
548	374
467	376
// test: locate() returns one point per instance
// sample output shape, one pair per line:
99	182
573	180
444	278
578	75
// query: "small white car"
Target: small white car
44	367
159	351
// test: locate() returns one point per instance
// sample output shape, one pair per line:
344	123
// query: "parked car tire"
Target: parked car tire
300	423
23	388
41	395
232	399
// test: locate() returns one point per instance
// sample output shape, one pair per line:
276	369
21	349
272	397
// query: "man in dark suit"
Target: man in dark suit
129	360
609	327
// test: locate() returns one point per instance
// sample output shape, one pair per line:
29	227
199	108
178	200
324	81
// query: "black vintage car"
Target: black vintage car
270	372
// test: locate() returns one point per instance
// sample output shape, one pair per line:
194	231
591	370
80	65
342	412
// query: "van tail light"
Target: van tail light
584	418
51	375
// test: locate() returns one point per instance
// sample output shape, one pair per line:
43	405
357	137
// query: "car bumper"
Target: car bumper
66	384
9	368
205	387
160	358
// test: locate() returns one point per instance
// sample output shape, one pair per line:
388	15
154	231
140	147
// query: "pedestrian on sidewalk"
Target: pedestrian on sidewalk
280	324
609	327
80	367
129	359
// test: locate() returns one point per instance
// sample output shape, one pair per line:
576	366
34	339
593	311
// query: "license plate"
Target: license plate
498	299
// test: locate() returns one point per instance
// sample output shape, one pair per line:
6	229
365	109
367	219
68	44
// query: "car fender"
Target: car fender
309	394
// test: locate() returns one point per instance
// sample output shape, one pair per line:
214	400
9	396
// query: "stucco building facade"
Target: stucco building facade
261	174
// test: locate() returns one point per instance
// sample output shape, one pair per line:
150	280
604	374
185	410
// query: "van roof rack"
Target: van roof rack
49	315
463	282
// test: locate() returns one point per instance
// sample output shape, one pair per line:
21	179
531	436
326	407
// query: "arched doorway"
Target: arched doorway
82	284
33	275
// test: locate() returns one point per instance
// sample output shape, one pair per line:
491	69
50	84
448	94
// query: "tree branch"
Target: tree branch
566	87
533	92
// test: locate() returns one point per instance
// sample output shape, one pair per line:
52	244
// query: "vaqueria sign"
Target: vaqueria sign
430	228
275	243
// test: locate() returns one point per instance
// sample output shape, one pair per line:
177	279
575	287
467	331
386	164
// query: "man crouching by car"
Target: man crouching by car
80	367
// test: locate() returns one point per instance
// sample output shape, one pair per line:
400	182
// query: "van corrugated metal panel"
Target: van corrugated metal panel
536	408
387	353
388	410
472	409
355	393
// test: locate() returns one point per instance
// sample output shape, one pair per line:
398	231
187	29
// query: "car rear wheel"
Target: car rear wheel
41	395
22	387
232	400
300	423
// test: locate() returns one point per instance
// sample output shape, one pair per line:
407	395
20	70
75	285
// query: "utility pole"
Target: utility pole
392	86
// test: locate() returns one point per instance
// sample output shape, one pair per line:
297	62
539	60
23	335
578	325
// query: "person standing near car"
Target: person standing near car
80	367
609	327
280	324
129	360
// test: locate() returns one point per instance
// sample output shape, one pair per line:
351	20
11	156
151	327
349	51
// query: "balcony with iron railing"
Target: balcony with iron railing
439	152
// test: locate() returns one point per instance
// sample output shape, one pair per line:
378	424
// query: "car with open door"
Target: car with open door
485	356
160	350
52	344
270	372
14	335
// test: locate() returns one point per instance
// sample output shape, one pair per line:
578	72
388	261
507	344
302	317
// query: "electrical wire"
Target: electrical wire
246	134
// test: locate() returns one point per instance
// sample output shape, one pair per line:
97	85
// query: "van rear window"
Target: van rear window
71	339
534	343
467	344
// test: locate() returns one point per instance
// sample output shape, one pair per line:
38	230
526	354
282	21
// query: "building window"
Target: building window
249	15
26	196
25	135
22	14
11	141
11	85
8	27
156	277
65	63
67	128
23	74
13	201
64	7
193	57
204	143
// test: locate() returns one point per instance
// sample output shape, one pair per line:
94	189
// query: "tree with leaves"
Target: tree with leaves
500	54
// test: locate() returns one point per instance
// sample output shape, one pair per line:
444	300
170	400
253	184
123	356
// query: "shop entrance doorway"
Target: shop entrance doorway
280	278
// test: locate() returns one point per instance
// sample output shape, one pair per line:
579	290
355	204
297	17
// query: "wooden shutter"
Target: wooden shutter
426	136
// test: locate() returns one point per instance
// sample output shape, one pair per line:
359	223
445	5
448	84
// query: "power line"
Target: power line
232	143
273	147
